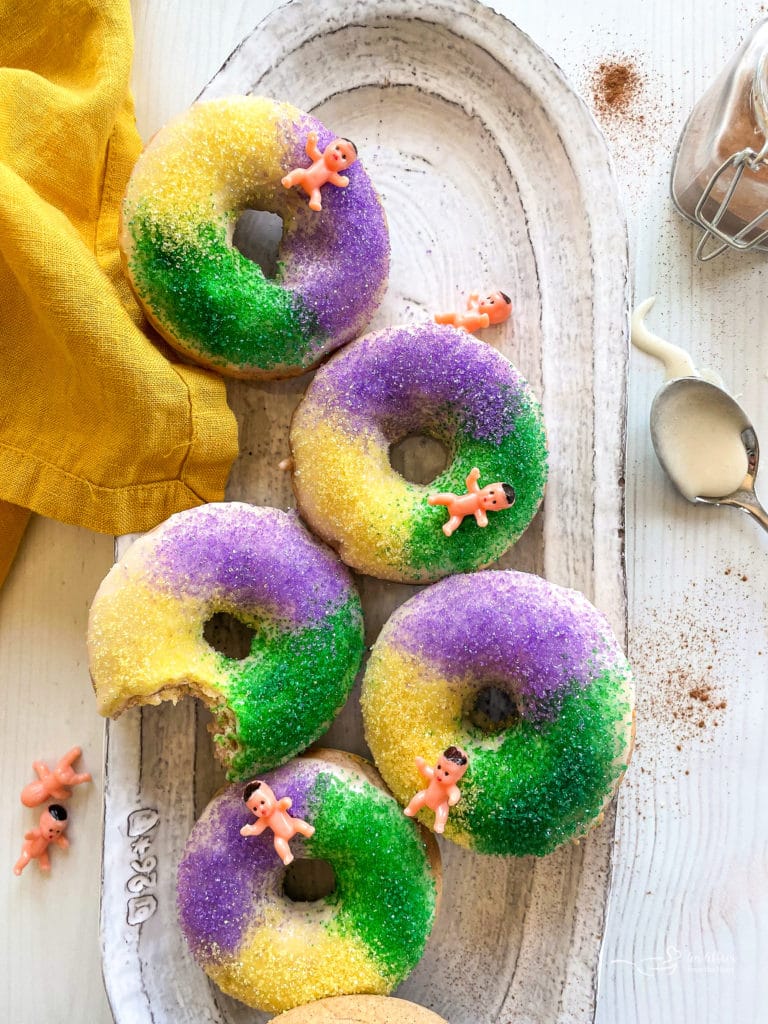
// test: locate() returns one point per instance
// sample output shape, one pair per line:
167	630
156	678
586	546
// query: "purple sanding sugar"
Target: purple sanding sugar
405	377
257	557
337	259
508	627
225	880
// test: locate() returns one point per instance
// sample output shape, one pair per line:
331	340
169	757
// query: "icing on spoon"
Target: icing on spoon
702	437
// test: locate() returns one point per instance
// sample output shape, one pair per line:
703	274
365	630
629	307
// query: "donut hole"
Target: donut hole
257	235
229	635
493	710
308	880
419	458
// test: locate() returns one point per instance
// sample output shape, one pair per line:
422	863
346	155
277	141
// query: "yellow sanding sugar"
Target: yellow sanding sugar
289	961
143	639
219	155
417	710
340	472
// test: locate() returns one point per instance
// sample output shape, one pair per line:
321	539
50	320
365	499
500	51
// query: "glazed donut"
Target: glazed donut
146	638
427	379
544	773
274	954
359	1010
212	303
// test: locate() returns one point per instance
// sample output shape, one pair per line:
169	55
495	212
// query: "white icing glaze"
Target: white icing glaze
677	362
700	440
701	446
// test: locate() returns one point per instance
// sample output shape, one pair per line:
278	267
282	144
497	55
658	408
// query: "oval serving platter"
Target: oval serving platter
493	174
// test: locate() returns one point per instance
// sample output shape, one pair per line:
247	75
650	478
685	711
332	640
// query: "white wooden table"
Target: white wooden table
687	927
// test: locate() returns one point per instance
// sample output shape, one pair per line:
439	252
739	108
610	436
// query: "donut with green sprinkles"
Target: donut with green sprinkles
365	936
293	603
194	180
427	379
528	679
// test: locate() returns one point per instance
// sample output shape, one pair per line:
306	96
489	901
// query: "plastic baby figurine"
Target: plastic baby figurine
56	784
51	828
272	813
476	502
442	792
325	168
493	309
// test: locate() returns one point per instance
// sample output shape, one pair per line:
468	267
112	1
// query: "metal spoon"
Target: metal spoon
670	403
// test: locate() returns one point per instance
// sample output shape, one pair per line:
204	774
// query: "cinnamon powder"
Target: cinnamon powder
619	92
615	86
682	697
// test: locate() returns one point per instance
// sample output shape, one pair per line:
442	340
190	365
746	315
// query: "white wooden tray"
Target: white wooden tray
493	174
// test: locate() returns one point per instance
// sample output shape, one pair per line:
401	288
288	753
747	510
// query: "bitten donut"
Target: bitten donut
542	774
426	379
146	639
187	190
360	1010
272	953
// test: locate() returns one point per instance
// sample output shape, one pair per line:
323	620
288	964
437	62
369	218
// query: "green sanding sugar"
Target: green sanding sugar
546	782
385	890
290	687
215	299
518	459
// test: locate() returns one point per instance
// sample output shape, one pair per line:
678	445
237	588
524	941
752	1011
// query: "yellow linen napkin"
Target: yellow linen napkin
101	424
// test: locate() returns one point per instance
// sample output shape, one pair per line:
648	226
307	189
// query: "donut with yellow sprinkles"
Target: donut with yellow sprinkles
365	937
147	629
185	195
422	379
543	765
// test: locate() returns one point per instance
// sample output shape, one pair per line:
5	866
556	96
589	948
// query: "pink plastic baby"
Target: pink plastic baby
442	792
51	828
493	309
339	154
271	813
476	502
56	784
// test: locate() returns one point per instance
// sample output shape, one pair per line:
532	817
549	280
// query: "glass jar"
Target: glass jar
720	170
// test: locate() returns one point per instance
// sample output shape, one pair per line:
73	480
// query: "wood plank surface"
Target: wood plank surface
686	931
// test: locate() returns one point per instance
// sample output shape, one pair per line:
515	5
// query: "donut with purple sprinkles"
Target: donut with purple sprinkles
302	616
423	379
524	676
274	953
186	193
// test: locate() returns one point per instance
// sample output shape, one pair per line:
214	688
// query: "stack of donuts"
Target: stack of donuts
498	707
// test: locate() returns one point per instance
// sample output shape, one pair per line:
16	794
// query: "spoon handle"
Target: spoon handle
748	502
